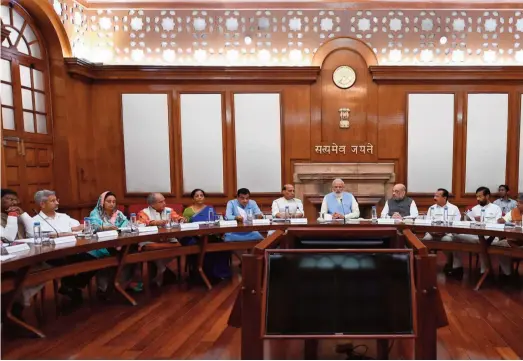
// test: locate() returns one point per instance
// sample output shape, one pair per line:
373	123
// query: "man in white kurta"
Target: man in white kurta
437	211
340	204
492	213
287	202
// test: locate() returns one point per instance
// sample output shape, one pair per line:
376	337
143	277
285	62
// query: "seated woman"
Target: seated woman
216	264
106	217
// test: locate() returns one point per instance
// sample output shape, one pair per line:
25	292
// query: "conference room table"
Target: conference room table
20	271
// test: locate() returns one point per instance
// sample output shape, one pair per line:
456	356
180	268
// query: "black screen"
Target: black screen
354	293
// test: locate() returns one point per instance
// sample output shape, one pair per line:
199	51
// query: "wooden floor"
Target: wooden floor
191	324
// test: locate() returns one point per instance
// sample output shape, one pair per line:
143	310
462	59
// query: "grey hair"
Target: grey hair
151	198
41	196
520	197
338	180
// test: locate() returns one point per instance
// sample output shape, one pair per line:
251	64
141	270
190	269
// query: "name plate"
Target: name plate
298	220
499	226
228	224
422	222
105	234
261	222
62	240
187	226
465	224
386	221
150	229
17	248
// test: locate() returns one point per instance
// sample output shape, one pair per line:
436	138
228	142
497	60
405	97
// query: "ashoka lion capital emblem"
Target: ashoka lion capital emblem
344	118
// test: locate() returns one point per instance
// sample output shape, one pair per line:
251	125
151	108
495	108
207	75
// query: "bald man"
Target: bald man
295	205
340	204
400	206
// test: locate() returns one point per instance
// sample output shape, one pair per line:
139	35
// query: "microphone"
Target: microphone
45	220
343	209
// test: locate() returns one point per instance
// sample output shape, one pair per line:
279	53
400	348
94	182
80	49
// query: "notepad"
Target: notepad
62	240
106	234
298	220
495	226
386	221
6	257
423	222
228	223
462	224
17	248
188	226
150	229
261	222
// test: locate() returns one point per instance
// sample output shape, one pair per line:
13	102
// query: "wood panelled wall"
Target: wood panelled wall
89	144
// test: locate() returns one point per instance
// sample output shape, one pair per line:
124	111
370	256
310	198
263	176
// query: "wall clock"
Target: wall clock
344	77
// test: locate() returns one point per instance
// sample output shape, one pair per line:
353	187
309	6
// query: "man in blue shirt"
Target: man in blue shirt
239	209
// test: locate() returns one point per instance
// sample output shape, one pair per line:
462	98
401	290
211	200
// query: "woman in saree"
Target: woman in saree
106	217
216	264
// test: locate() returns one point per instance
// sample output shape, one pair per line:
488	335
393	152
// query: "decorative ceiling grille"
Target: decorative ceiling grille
290	37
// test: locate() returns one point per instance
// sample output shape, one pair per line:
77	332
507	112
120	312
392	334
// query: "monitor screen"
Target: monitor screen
338	293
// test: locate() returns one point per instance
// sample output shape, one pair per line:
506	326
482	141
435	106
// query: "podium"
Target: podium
428	312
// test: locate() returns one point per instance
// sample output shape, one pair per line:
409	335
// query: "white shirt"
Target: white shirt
436	212
61	222
492	212
10	231
412	213
295	206
355	212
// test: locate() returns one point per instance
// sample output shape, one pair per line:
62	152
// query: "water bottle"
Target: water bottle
445	215
88	229
250	216
482	218
287	213
134	227
374	214
168	215
211	216
37	231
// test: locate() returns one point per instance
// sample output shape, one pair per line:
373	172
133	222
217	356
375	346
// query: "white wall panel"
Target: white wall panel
146	142
487	118
520	185
258	141
202	145
430	142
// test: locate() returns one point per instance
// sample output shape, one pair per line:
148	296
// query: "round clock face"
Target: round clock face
344	77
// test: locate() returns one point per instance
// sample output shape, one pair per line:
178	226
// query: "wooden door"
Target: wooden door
28	167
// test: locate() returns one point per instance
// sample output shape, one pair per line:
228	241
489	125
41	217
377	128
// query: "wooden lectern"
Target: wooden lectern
429	313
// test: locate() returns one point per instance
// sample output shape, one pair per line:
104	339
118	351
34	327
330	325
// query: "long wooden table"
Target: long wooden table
16	272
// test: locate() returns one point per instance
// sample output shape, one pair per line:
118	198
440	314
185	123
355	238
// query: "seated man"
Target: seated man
15	223
492	214
239	209
52	222
399	206
156	215
515	215
504	202
340	204
294	205
60	224
436	212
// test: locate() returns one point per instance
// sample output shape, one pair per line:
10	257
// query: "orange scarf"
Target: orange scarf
515	214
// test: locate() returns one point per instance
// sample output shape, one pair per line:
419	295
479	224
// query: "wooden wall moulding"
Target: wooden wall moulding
446	74
193	74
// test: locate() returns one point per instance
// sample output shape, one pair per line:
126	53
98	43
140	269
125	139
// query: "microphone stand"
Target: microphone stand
343	209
